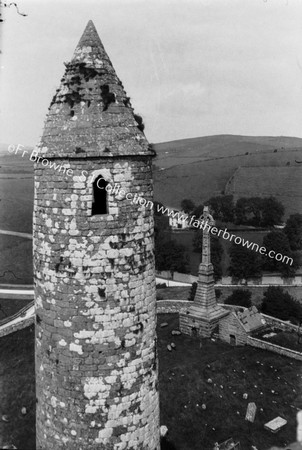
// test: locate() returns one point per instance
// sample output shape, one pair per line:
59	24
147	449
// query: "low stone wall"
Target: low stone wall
9	325
177	276
171	306
17	326
257	291
231	326
281	324
190	324
274	348
268	279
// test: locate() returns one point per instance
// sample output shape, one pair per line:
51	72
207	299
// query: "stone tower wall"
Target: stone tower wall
96	363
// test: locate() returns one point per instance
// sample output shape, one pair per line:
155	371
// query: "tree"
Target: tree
272	212
278	242
240	297
222	207
218	293
198	210
187	206
161	224
156	206
244	263
257	211
165	444
293	231
216	251
248	211
280	304
192	292
170	256
243	211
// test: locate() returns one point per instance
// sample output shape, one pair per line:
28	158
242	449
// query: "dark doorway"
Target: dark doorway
194	332
99	203
232	339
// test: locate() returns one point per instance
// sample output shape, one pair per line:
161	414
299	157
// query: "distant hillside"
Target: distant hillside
262	182
196	168
186	151
16	191
201	167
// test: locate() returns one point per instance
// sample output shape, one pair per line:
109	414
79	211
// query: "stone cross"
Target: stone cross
206	246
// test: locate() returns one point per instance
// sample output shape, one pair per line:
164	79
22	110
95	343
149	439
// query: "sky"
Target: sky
191	67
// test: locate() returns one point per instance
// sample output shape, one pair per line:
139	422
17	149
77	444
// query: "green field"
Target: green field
9	306
16	202
271	381
173	293
17	381
186	151
197	168
186	237
16	191
262	182
201	168
15	260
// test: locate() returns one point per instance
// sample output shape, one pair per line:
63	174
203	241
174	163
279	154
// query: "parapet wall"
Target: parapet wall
22	319
257	291
274	348
171	306
17	326
285	326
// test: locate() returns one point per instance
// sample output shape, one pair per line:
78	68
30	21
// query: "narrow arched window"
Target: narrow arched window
99	203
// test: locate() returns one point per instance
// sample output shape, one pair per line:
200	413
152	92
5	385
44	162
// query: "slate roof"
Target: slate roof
251	319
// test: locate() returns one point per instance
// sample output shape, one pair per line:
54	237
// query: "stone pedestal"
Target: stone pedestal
203	316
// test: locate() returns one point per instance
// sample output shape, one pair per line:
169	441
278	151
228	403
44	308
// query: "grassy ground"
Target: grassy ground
271	381
174	293
262	181
9	306
16	200
200	168
16	264
16	192
17	387
287	339
186	237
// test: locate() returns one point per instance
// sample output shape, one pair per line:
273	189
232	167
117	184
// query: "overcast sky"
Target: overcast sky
191	67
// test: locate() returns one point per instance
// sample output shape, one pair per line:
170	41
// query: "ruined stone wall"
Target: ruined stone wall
281	324
258	343
171	306
204	328
230	325
96	363
256	291
16	326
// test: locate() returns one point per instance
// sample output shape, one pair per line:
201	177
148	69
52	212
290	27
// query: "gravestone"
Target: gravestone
251	412
276	424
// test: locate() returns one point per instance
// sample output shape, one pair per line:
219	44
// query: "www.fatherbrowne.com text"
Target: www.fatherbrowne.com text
192	221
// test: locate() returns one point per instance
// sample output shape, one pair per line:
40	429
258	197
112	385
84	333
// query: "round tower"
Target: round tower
96	363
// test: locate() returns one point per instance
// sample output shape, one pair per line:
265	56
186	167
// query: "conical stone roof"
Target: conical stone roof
90	114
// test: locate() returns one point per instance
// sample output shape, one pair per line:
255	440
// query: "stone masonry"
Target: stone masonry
204	314
96	362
